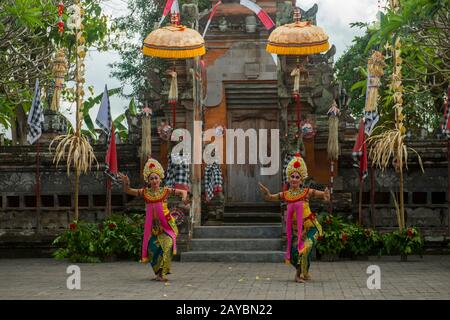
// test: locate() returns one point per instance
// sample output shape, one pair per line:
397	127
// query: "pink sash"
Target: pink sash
296	207
148	226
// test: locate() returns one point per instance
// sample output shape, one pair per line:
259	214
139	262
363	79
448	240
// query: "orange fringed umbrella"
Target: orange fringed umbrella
174	42
298	38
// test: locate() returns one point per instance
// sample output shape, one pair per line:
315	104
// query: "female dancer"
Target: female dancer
160	230
302	226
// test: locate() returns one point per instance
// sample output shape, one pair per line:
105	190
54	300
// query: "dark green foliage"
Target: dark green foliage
119	236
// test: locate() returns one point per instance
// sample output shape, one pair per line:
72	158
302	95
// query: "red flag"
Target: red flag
359	151
266	20
111	155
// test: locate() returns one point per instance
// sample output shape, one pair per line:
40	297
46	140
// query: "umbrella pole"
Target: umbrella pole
38	187
372	197
448	185
331	185
108	196
361	187
196	166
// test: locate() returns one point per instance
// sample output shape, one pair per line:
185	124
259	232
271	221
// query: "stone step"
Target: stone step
260	86
252	217
265	91
251	214
251	207
232	256
235	244
238	232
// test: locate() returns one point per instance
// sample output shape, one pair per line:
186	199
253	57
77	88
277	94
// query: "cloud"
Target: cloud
335	16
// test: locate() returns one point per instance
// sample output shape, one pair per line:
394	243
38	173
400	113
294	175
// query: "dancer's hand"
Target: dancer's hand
264	189
186	200
124	178
326	195
184	197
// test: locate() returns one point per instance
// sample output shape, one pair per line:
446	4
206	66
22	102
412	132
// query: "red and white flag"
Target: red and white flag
213	12
262	15
171	6
105	122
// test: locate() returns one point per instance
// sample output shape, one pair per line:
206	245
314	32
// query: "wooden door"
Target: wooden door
242	186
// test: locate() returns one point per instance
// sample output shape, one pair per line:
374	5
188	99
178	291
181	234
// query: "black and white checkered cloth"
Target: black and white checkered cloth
213	180
35	116
178	172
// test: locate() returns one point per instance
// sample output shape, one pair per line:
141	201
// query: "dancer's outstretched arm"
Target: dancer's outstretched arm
325	195
126	185
181	193
267	195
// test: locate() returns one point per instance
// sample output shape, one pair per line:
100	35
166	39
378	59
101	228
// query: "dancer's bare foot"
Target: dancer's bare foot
158	276
162	279
307	277
298	278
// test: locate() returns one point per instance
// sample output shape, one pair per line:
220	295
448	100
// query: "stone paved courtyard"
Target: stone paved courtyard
427	278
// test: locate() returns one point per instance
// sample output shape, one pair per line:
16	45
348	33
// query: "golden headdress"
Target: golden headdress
153	166
298	165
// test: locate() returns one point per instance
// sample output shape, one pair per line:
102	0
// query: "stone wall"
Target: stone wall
425	194
23	226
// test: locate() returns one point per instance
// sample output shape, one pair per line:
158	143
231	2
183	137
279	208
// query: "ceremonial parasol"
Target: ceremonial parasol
300	38
174	42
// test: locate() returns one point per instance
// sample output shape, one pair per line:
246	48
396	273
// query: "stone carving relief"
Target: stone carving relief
285	13
190	14
310	14
17	182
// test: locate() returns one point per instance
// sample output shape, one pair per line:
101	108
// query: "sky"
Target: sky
334	16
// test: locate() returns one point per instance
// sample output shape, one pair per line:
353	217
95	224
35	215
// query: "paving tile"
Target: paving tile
45	279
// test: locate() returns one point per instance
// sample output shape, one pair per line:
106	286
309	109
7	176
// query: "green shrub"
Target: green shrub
408	241
129	231
78	243
334	238
119	235
350	239
363	241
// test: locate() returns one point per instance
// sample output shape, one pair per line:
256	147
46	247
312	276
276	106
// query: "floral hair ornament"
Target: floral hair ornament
297	165
153	166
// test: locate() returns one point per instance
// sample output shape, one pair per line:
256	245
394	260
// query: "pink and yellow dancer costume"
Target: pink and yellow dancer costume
302	226
160	237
